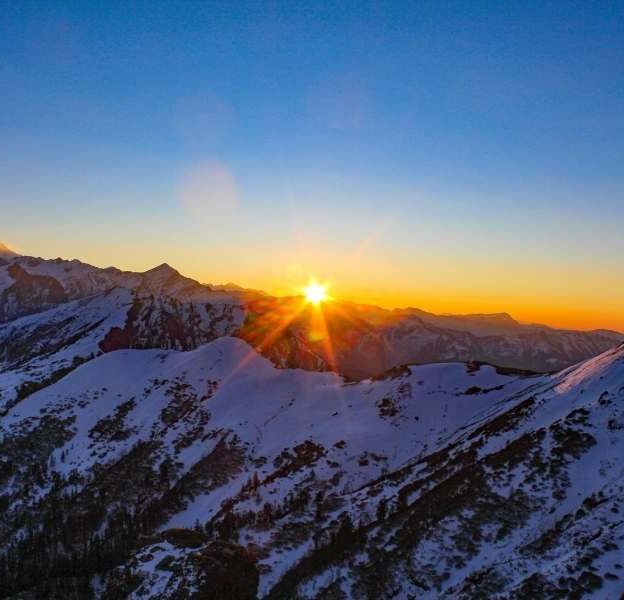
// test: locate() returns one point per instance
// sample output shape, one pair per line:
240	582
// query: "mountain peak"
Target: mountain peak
163	269
164	279
6	252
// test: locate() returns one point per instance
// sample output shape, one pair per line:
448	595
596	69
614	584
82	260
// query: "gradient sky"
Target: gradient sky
455	156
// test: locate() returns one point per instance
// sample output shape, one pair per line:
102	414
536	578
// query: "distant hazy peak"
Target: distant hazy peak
6	252
501	318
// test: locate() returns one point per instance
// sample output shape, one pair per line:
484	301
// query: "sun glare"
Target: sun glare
315	293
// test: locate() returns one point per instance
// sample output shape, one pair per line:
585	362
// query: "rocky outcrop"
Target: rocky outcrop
29	294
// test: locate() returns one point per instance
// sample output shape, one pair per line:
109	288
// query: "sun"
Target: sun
315	293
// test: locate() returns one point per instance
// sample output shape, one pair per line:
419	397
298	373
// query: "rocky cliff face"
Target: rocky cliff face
28	293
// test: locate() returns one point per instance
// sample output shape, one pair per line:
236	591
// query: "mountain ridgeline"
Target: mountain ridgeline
55	314
161	438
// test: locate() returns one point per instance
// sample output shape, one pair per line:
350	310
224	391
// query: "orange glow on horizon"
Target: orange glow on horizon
556	292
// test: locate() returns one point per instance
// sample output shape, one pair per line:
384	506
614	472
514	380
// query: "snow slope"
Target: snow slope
443	480
36	349
61	313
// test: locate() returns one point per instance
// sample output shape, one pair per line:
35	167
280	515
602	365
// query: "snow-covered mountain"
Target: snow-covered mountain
29	285
210	473
57	314
163	438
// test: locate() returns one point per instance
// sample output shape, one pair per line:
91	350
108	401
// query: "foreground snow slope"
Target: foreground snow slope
164	473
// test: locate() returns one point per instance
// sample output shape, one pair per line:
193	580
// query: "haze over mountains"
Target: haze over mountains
167	439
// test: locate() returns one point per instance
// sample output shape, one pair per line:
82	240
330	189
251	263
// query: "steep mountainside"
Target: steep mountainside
212	474
58	314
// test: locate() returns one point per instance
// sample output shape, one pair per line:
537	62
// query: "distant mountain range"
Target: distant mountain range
55	314
366	340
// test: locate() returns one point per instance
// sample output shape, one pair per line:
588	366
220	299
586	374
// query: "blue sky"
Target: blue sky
466	131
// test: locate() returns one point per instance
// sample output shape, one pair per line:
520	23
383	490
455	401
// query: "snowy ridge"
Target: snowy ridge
443	480
58	314
37	349
79	280
169	310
